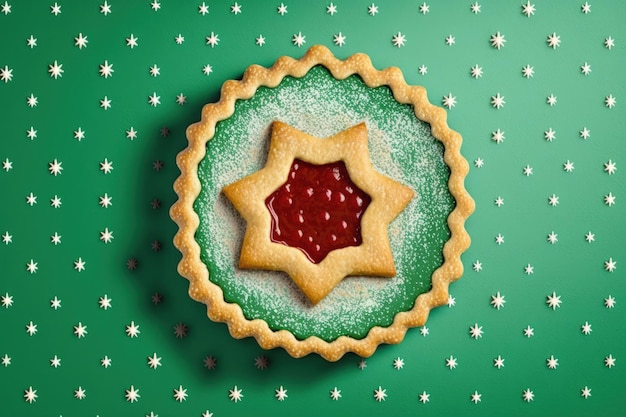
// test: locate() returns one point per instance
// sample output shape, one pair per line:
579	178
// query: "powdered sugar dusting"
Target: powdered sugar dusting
401	147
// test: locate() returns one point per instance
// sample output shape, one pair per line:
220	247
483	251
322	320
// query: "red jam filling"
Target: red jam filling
317	210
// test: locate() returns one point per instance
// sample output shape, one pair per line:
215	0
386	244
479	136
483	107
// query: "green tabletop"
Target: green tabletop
94	100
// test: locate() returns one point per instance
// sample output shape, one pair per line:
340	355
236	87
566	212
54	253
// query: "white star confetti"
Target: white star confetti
5	8
585	69
497	101
335	394
380	394
609	43
477	266
154	100
499	201
423	70
298	39
55	201
207	69
105	8
32	101
479	162
56	70
331	9
105	200
424	397
476	71
132	330
568	166
132	394
55	239
398	40
590	237
105	103
131	41
498	362
31	133
203	9
528	9
529	269
6	74
497	40
609	302
55	9
155	71
212	40
498	301
610	101
450	40
475	397
528	71
553	301
79	330
553	200
260	40
585	8
339	39
179	39
55	362
398	363
586	328
181	99
609	361
235	394
80	41
105	362
282	9
609	199
554	41
106	166
549	135
79	134
610	265
552	362
6	300
553	237
280	393
362	364
30	395
551	100
131	133
31	41
585	392
32	266
55	303
528	395
104	302
476	331
55	167
31	328
155	5
424	331
609	167
529	332
180	394
449	101
475	8
372	9
497	136
451	362
424	8
499	239
585	133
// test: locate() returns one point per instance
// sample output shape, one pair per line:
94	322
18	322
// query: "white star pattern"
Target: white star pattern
5	360
529	269
31	41
423	70
585	392
55	167
362	364
235	394
609	302
203	9
106	166
451	301
554	41
282	9
339	39
280	393
79	134
372	9
335	394
497	136
552	362
32	267
549	135
586	8
104	302
79	264
155	5
609	361
207	69
80	41
31	328
55	201
55	362
32	101
55	239
424	8
568	166
105	200
5	8
7	238
380	394
55	303
106	235
609	199
398	363
79	330
497	40
609	167
105	103
55	9
424	331
298	39
477	266
179	39
131	133
132	330
31	133
424	397
80	393
6	74
153	361
528	71
181	99
6	300
180	394
528	9
528	395
106	69
553	237
586	328
610	101
131	41
553	301
553	200
212	40
479	162
449	101
132	394
590	237
475	8
56	70
497	301
450	40
154	100
260	40
155	70
585	68
105	362
30	395
398	40
499	201
451	362
551	100
499	239
331	9
476	331
609	43
475	397
610	265
585	133
498	362
105	8
497	101
529	332
476	71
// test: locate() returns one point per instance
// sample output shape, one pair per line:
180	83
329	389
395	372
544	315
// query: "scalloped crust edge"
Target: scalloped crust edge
187	186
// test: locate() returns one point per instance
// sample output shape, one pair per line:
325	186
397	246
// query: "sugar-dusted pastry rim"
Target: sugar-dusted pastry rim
188	187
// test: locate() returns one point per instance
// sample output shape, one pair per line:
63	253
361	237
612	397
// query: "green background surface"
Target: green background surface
571	267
